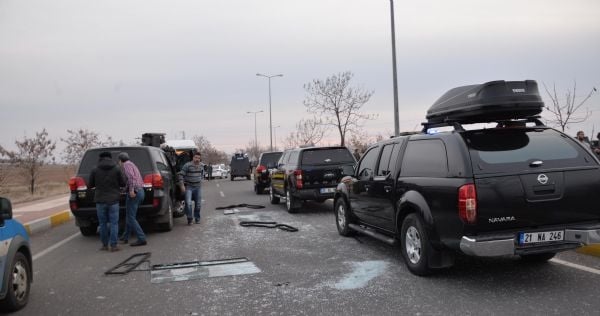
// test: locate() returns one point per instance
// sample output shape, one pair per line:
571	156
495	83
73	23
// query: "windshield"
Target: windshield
326	156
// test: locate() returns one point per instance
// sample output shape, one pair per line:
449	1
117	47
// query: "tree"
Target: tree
254	151
567	113
308	132
4	174
362	140
30	156
209	153
338	103
78	142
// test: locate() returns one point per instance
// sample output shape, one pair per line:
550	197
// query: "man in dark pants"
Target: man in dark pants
107	179
134	191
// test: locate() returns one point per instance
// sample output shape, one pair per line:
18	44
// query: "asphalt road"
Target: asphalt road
313	271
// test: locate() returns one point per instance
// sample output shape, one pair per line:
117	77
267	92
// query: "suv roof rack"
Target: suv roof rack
458	125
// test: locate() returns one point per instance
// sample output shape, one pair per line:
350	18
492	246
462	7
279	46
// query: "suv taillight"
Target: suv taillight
261	169
298	175
77	184
467	203
153	180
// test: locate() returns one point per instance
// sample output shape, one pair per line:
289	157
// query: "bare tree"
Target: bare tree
78	142
362	140
308	132
254	151
4	174
338	103
209	153
31	155
569	112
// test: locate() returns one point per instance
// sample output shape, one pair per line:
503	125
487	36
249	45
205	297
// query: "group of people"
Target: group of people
108	178
582	138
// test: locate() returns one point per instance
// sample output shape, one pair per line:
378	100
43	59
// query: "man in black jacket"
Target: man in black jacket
108	179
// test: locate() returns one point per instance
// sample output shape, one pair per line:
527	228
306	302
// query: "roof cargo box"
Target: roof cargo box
487	102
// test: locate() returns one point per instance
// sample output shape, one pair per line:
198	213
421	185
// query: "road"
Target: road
313	271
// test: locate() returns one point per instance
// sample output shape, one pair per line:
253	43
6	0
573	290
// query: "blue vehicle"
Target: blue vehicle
15	261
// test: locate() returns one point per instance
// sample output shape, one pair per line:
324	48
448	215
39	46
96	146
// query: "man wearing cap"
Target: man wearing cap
134	189
107	180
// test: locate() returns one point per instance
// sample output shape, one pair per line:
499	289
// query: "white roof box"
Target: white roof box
181	144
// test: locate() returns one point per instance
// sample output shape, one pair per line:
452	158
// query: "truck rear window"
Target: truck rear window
504	150
327	156
269	160
139	157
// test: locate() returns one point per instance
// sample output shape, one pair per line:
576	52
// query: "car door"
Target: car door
277	174
360	194
381	197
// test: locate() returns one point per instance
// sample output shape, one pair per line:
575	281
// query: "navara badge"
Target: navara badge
542	178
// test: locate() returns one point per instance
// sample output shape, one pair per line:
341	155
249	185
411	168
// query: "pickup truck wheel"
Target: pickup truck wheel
415	245
342	217
257	189
168	225
89	230
18	285
274	199
231	178
538	257
290	202
179	209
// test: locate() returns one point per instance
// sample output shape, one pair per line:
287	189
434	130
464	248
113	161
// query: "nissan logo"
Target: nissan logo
542	178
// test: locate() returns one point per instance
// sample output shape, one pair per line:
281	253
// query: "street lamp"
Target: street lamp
275	134
255	138
270	117
396	115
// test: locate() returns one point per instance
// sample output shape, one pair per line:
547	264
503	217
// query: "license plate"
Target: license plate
540	237
327	190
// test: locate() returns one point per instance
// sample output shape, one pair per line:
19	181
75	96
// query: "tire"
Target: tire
168	225
274	199
248	177
415	245
290	202
538	257
179	209
231	178
19	284
342	217
257	189
89	230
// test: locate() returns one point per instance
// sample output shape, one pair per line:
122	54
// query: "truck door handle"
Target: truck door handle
387	188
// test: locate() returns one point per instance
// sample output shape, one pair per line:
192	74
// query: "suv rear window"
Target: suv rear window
269	160
326	156
139	156
509	150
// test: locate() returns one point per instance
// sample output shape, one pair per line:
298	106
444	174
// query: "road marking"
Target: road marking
576	266
55	246
218	185
222	194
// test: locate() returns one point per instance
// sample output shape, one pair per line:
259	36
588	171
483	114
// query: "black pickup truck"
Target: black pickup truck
517	188
309	173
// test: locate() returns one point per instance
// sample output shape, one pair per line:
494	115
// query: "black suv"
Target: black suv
519	188
159	177
309	174
262	174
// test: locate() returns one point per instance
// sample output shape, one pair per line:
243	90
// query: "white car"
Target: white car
219	172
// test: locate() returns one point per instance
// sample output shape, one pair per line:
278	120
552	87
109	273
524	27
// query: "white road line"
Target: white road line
222	194
576	266
218	185
53	247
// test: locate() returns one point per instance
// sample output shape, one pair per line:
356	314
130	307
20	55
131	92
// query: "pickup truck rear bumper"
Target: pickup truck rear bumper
501	245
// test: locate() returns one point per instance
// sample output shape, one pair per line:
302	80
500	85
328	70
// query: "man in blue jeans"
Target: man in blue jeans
134	196
190	180
107	180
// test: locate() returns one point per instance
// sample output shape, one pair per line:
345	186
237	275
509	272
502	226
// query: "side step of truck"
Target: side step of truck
372	233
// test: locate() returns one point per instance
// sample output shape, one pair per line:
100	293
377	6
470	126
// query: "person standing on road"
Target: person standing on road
107	179
190	180
134	196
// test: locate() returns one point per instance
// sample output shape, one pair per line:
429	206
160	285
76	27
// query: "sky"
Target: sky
184	68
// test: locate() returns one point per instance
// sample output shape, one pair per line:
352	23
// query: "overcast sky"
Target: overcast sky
122	67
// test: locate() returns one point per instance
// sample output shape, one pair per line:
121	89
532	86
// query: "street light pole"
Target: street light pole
396	115
270	117
275	134
255	137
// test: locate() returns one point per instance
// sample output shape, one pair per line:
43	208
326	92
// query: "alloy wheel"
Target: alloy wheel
413	245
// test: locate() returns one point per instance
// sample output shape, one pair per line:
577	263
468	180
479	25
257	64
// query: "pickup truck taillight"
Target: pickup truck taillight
298	175
153	180
77	184
261	169
467	203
